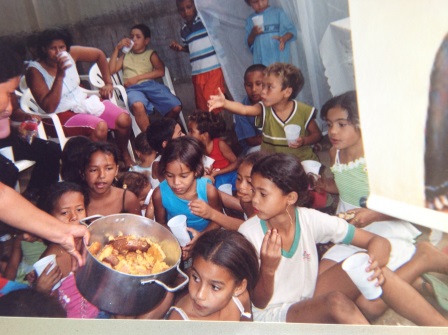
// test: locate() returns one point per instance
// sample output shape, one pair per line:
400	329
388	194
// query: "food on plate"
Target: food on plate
130	254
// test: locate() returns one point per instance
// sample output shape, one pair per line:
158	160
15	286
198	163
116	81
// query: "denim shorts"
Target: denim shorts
153	95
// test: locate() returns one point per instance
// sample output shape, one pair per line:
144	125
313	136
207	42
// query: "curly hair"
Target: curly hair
289	75
210	123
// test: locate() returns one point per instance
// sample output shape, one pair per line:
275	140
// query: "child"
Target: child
99	169
158	134
207	128
249	136
282	82
71	158
66	202
141	66
139	184
286	237
269	43
181	165
145	154
206	71
223	275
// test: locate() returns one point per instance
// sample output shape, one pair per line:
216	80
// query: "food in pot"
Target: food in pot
130	254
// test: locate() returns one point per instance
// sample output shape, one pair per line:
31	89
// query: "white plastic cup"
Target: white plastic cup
292	132
178	226
226	188
258	21
125	49
68	62
42	263
356	266
207	162
311	166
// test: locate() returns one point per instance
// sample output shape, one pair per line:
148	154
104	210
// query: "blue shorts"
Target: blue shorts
153	95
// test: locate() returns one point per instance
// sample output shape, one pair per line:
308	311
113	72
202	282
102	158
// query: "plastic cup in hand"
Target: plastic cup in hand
68	62
226	188
356	266
292	132
42	263
311	166
178	226
125	49
207	162
258	21
28	130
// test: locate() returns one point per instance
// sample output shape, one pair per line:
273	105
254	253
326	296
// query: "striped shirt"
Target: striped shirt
202	54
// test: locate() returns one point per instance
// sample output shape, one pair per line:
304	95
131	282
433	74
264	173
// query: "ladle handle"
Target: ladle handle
169	289
85	220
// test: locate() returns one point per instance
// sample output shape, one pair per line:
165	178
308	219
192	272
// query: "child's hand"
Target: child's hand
200	208
362	217
107	91
216	101
377	272
271	252
281	41
186	250
256	30
176	46
45	282
125	42
130	82
297	144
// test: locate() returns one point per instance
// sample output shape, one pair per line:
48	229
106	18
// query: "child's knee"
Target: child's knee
101	130
138	107
338	304
123	120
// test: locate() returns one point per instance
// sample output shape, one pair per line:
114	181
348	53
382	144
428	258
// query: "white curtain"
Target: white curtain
225	21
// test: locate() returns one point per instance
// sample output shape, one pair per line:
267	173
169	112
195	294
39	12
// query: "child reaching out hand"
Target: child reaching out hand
222	277
286	235
282	83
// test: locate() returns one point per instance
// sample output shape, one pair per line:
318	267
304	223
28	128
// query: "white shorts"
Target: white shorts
274	313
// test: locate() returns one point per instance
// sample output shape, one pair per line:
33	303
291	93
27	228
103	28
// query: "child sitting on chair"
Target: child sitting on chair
140	67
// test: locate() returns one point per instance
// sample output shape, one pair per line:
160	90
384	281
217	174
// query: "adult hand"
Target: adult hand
216	101
69	244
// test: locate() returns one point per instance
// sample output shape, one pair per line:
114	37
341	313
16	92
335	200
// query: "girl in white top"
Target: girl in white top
289	289
222	277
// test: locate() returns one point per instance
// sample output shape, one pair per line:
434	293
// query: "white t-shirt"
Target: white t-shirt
296	275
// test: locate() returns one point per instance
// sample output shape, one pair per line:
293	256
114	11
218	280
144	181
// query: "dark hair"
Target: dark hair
93	147
187	150
254	68
210	123
248	2
159	131
11	64
48	200
134	181
252	158
142	145
32	303
287	173
47	37
231	250
346	101
71	159
289	75
144	29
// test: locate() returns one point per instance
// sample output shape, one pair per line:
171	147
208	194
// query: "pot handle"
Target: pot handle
169	289
87	219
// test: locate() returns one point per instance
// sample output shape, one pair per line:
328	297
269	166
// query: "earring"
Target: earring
290	218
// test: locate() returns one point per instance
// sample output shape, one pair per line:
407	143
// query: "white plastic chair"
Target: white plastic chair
29	105
21	165
96	80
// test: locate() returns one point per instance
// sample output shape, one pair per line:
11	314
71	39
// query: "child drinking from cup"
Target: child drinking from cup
269	42
286	235
222	277
277	109
181	165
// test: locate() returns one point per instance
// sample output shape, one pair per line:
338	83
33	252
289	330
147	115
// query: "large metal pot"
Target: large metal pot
121	293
